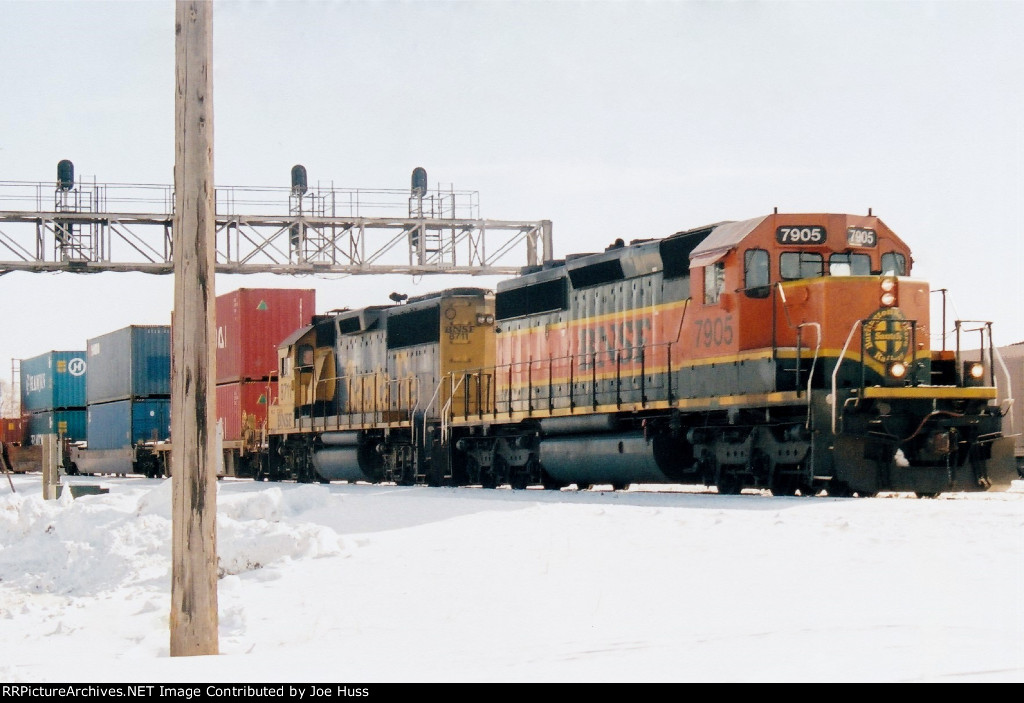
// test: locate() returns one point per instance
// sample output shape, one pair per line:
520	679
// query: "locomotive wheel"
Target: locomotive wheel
434	477
473	471
519	480
488	478
787	483
406	478
500	470
783	486
839	489
729	484
549	483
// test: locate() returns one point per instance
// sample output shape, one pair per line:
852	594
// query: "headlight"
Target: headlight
974	373
898	369
888	286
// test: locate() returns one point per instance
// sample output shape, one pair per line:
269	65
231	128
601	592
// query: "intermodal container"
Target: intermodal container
130	363
124	423
242	407
53	380
12	430
69	424
251	322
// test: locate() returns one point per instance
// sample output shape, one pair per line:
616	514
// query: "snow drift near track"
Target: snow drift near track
383	583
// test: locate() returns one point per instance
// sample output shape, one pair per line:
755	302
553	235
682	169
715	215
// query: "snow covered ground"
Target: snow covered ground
359	583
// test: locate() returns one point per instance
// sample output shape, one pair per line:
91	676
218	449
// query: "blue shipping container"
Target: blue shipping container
66	423
53	380
125	423
134	362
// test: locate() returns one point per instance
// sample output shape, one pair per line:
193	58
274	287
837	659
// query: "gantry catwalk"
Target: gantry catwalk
82	226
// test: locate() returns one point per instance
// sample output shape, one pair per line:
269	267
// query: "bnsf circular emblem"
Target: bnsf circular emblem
76	366
886	336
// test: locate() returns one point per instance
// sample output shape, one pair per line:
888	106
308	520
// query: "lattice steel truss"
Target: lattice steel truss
120	227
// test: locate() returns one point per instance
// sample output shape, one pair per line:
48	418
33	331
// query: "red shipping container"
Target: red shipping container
243	408
251	322
12	430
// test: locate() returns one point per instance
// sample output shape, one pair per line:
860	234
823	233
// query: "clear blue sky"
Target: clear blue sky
612	119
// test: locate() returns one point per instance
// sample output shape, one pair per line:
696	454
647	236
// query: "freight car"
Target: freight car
787	352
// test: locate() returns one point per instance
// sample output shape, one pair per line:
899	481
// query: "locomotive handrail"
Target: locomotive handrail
482	404
539	375
446	409
430	402
377	408
835	372
682	319
814	362
994	355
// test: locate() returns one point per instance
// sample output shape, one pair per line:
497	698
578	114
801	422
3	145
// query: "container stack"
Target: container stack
251	322
53	396
128	393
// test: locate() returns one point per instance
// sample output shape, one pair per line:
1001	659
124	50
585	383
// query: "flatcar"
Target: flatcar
788	352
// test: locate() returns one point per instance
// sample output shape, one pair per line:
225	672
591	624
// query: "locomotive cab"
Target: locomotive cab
307	375
804	287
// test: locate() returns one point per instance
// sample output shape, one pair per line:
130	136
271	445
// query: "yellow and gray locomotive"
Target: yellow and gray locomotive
367	394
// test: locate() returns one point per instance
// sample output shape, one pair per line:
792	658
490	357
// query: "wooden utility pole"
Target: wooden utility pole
193	363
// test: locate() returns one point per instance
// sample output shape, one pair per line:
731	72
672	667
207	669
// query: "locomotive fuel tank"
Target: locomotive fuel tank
616	458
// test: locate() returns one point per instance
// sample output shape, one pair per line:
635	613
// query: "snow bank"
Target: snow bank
100	542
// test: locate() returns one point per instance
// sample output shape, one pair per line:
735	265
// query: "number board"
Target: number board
861	237
796	234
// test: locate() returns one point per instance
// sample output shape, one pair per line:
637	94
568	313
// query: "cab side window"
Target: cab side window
756	276
894	263
714	282
801	264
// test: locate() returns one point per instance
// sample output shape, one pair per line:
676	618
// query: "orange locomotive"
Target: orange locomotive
788	352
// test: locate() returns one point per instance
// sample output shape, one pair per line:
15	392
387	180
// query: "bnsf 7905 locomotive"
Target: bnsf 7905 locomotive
786	352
